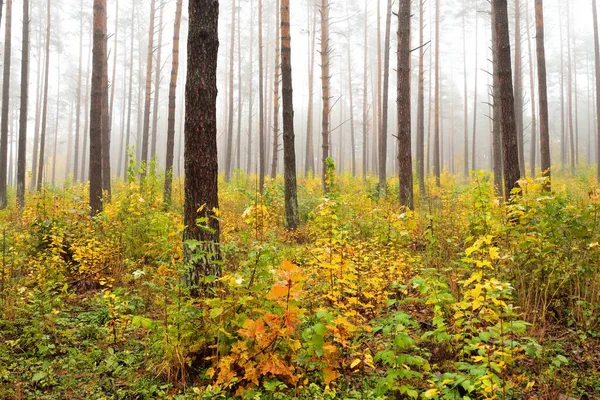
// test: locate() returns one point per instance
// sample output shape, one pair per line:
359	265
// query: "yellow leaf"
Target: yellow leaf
431	393
329	375
355	363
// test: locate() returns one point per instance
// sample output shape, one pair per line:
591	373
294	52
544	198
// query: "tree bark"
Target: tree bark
106	127
172	104
157	79
365	111
40	175
250	92
275	154
533	147
38	109
148	95
86	122
201	165
497	129
543	92
78	99
475	104
289	150
403	104
465	95
5	104
325	87
385	100
436	138
510	146
99	65
518	94
53	183
570	94
597	67
22	150
261	104
309	161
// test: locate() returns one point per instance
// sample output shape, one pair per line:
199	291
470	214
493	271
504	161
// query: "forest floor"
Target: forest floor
465	298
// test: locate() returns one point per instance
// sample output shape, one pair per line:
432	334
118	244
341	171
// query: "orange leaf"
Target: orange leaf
330	375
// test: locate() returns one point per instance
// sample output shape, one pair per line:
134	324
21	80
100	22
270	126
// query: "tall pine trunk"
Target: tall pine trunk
403	104
99	64
518	89
275	151
325	88
385	101
309	161
172	104
436	138
148	93
597	73
40	174
543	91
5	104
261	104
22	150
78	99
533	136
201	163
157	79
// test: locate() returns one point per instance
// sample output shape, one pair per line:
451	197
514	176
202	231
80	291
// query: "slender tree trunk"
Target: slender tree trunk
99	63
436	139
275	155
465	94
106	128
261	104
497	134
201	164
38	109
325	87
125	149
78	100
114	67
563	137
533	148
475	104
86	122
5	104
518	94
56	127
570	94
421	105
157	79
148	95
403	104
238	156
543	92
597	73
309	161
22	150
289	152
350	95
172	104
365	113
250	91
40	176
510	146
385	101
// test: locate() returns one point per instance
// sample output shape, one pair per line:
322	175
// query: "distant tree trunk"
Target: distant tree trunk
261	103
543	91
309	161
157	79
385	100
172	104
597	67
86	122
563	137
5	103
533	149
69	143
78	99
421	105
114	67
289	150
518	94
403	104
350	95
201	165
275	154
40	175
465	94
56	126
436	138
570	93
38	109
148	95
379	74
238	156
325	86
475	104
99	62
365	113
22	151
124	150
510	146
250	91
